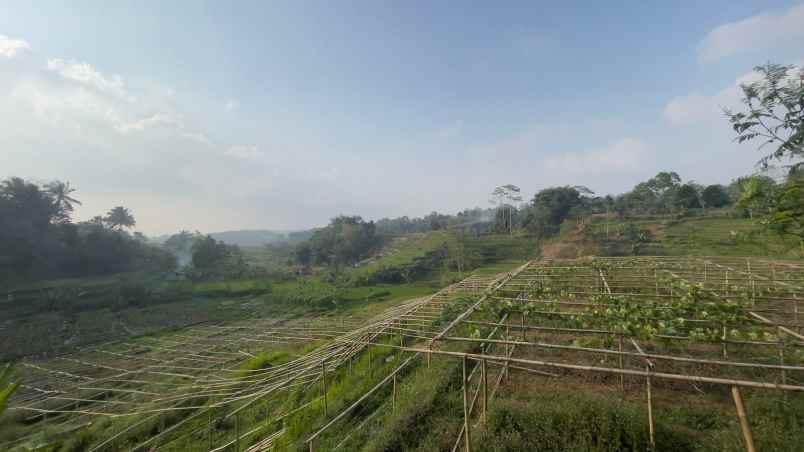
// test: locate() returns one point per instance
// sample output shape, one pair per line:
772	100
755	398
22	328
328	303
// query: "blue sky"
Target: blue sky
278	115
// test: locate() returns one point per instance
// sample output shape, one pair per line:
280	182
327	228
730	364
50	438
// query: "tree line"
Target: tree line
201	257
38	238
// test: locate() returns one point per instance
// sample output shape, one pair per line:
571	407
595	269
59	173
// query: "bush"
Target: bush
577	422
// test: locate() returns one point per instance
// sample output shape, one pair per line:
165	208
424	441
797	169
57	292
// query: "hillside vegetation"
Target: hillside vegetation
714	234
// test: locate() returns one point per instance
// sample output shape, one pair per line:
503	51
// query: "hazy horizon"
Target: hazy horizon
280	116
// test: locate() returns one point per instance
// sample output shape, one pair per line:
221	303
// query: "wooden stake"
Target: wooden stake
620	358
393	396
210	428
466	435
746	428
507	336
651	431
523	326
656	278
485	375
781	354
237	432
507	352
324	384
727	282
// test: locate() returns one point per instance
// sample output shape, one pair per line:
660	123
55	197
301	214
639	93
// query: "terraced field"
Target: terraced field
674	353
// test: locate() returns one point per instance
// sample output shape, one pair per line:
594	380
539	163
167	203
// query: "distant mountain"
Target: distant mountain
258	237
252	237
249	237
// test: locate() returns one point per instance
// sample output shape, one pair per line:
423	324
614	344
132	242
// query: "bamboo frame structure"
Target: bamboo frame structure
197	370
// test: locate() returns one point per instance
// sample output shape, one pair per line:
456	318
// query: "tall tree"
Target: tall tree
786	216
774	113
119	218
687	197
61	192
505	196
757	194
664	187
550	207
715	196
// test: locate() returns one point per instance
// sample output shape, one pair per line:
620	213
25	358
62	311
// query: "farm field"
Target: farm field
637	352
393	227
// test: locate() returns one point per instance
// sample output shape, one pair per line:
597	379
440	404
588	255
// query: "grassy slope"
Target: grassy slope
701	236
53	317
428	414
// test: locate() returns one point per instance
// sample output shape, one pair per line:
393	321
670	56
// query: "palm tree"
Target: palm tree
63	202
119	218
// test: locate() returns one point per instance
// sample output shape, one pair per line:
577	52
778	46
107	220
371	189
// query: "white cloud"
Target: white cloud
198	137
623	156
693	109
703	110
245	152
86	74
9	48
231	105
82	99
754	33
71	107
155	120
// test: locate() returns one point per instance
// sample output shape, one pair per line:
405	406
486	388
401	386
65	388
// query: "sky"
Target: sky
280	115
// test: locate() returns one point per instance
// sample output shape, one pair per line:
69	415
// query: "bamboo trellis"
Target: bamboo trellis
197	369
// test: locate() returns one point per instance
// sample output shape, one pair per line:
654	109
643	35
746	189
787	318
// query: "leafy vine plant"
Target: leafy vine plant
698	312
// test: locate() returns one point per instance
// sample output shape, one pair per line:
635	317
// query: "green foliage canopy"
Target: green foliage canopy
774	113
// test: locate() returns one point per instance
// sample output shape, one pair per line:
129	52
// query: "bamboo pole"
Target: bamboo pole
650	409
744	425
523	326
393	396
371	391
781	355
237	432
324	384
604	351
578	367
466	434
620	359
485	376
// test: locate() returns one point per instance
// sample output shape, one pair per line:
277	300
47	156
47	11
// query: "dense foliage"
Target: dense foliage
774	113
213	259
550	207
345	241
477	219
39	240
